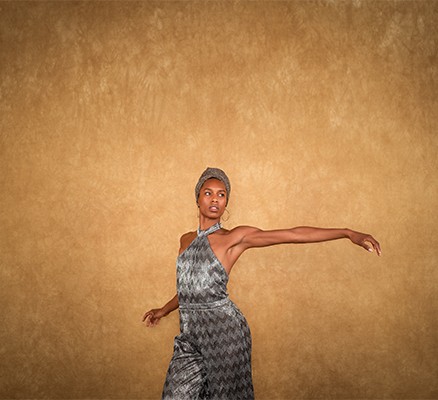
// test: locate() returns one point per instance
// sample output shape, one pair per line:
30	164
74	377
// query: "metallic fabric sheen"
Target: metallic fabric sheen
212	354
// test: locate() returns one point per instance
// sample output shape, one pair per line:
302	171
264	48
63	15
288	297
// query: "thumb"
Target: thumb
367	247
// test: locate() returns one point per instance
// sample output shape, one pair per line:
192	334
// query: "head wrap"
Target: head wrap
215	173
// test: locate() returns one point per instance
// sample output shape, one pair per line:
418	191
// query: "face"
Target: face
212	199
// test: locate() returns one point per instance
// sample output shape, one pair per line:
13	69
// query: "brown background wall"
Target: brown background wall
322	113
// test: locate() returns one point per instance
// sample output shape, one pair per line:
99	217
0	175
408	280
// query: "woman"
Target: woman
212	354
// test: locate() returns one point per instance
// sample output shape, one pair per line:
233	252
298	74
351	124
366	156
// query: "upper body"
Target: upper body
212	195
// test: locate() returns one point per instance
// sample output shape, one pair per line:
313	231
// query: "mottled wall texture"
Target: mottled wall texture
323	113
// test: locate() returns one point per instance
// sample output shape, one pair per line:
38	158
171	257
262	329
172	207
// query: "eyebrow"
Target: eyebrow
220	190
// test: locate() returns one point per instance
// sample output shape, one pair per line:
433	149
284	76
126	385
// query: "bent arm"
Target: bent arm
305	234
152	317
171	305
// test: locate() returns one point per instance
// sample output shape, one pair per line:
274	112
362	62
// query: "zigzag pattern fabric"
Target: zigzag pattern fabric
212	354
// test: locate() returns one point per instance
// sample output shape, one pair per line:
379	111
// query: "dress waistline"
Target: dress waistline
205	306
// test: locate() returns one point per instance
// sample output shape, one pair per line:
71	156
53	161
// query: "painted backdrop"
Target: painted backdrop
322	113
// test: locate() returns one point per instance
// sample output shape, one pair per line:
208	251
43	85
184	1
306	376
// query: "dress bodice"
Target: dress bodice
201	278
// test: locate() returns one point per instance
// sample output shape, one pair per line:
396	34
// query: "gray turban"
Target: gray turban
215	173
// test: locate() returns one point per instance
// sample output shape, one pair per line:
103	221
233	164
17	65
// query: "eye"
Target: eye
207	193
221	194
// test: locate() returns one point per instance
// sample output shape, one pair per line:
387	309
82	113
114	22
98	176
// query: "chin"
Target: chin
214	215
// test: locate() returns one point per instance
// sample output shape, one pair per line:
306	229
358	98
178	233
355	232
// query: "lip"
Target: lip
213	208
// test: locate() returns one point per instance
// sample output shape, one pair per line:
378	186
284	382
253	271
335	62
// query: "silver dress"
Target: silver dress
212	354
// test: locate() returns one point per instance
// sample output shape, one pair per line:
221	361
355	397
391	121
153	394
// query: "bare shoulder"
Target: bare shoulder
186	239
235	244
243	230
237	234
187	235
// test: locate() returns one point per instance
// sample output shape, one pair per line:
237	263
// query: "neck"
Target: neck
205	223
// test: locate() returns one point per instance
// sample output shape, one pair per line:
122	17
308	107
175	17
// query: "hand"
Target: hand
364	240
152	317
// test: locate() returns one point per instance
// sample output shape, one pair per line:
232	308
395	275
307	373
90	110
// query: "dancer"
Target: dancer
212	354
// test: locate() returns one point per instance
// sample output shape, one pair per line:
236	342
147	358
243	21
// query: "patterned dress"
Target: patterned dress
212	354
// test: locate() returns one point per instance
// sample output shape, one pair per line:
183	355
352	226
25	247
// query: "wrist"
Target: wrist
348	233
163	311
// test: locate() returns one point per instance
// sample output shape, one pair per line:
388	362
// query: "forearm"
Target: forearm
307	234
170	306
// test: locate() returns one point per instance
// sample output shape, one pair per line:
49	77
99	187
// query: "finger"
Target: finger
365	245
368	245
152	322
375	245
148	317
378	249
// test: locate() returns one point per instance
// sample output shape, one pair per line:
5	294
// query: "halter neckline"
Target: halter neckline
212	229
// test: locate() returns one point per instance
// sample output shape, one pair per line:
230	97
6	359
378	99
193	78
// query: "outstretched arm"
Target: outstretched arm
253	237
152	317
